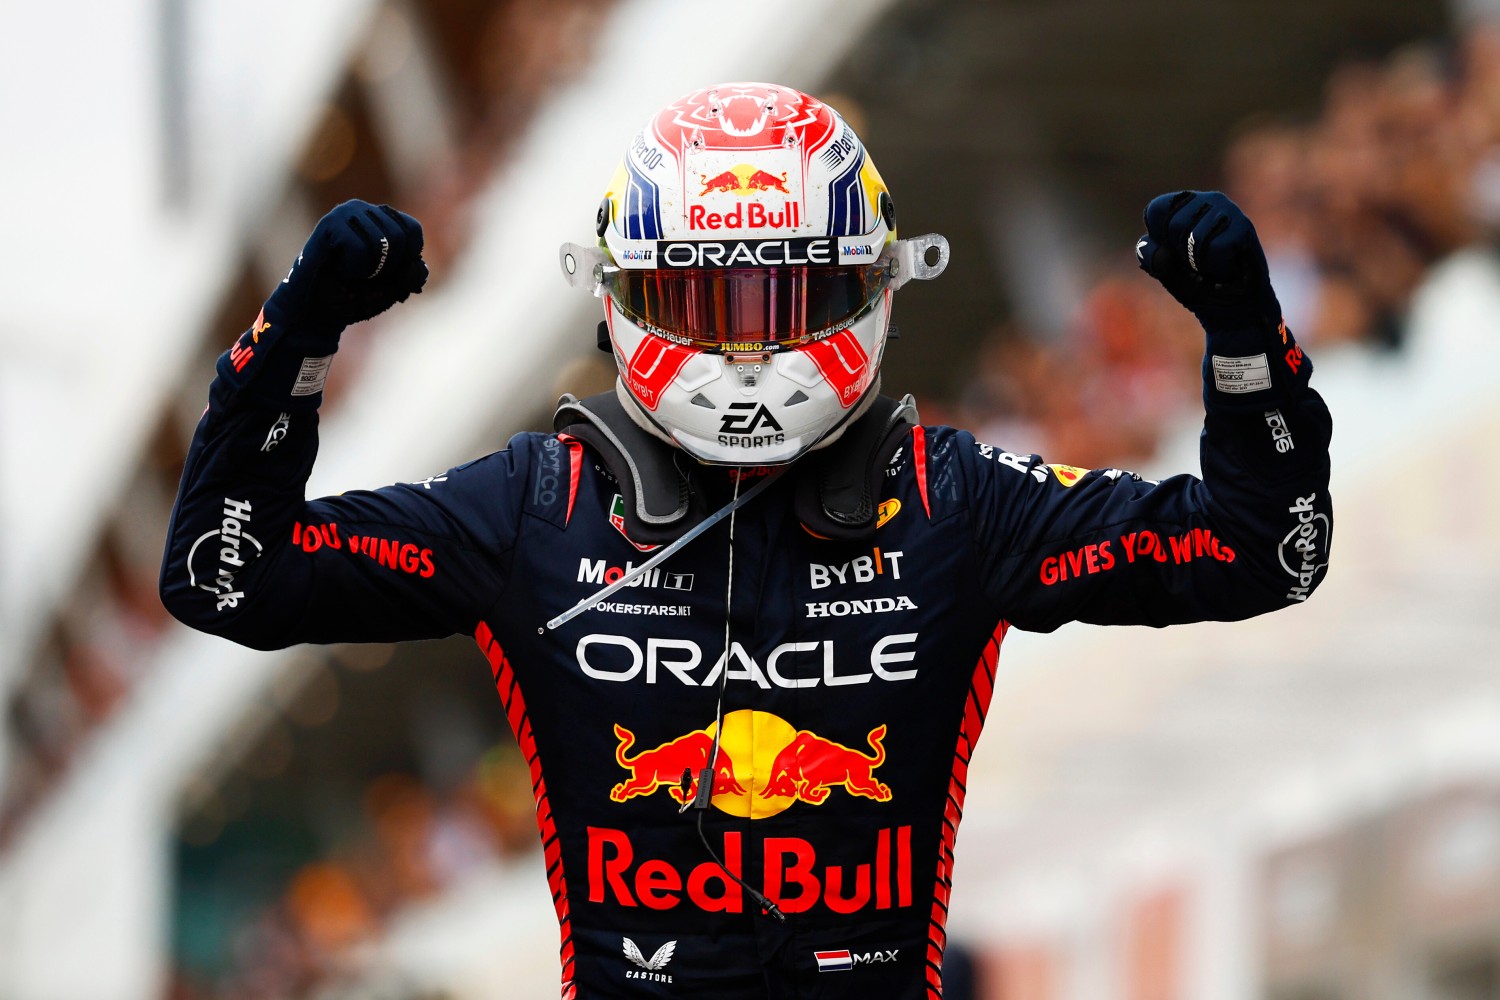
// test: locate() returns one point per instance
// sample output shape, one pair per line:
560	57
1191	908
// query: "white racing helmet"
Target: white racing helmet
747	255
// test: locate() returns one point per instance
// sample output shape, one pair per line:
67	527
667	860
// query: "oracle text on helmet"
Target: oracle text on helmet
748	253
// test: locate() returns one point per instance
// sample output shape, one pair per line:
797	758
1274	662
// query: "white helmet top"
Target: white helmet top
747	254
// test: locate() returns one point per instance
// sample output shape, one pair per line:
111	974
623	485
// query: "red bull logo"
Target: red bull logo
808	767
793	877
751	215
726	183
675	763
762	181
745	180
742	179
241	353
764	765
261	326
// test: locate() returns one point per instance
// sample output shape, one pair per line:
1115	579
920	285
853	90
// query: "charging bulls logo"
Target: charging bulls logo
742	179
810	765
764	765
675	763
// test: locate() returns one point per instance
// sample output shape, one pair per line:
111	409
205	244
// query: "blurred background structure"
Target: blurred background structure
1305	807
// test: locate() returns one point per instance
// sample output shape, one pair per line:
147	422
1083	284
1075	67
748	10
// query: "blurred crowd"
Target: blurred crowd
411	842
496	60
1399	167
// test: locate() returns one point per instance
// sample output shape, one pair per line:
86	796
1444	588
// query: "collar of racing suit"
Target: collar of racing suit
665	493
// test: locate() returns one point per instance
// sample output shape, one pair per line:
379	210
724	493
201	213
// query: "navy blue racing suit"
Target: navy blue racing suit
856	679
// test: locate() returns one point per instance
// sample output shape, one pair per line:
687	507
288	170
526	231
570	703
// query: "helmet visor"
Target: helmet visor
774	307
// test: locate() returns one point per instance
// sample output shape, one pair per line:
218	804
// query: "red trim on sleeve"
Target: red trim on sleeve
919	463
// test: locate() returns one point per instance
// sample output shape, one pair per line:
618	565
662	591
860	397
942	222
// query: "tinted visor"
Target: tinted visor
772	306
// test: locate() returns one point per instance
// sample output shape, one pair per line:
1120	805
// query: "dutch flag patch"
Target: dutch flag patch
834	961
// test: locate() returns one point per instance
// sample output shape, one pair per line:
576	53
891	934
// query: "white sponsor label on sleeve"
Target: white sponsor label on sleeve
1241	374
315	372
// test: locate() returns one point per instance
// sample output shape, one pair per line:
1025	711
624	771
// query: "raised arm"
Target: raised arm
247	557
1253	535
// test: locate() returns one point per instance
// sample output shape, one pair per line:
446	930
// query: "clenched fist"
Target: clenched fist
359	261
1204	251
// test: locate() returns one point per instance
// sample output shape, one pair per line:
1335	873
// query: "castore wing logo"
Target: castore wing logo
656	962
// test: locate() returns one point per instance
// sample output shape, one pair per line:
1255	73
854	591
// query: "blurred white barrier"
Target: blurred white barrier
109	284
480	353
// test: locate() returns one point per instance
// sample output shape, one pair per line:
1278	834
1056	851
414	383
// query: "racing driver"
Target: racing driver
744	611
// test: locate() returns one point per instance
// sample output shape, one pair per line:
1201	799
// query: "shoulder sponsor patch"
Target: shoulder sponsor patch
1281	435
1235	375
617	518
1021	463
278	432
1068	474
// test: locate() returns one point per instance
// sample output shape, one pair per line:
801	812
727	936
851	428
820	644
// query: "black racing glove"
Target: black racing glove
1205	252
360	260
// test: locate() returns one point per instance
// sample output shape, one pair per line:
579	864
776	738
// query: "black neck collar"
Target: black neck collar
837	488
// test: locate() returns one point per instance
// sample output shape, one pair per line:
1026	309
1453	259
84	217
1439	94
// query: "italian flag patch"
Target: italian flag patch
617	518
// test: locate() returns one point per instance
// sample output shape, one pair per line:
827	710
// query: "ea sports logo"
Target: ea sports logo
747	418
